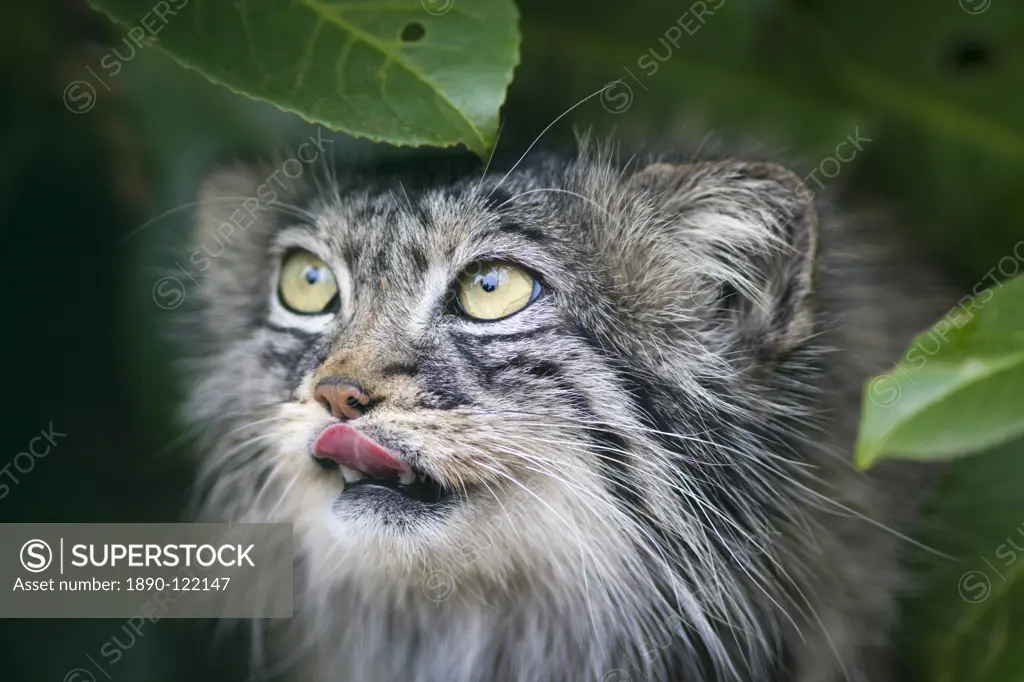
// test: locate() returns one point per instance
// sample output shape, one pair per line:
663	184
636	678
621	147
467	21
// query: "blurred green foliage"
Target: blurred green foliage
100	170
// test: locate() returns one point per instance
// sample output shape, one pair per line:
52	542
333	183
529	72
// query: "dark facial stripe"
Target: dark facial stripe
718	484
610	447
440	389
544	370
289	359
530	234
396	369
515	336
418	258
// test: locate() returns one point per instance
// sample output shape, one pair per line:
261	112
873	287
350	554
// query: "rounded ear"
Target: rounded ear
750	231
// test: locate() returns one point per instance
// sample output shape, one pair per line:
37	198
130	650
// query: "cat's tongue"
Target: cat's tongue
348	447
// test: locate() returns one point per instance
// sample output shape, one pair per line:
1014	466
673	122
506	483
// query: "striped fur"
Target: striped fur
651	461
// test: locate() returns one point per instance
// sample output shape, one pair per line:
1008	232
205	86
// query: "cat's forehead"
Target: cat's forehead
378	233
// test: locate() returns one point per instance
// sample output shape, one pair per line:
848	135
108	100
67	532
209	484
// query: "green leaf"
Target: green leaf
963	618
959	387
407	72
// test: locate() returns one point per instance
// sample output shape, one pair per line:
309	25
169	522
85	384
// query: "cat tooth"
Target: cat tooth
351	475
408	478
421	478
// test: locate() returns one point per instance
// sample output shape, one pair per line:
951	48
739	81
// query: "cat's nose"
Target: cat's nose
345	398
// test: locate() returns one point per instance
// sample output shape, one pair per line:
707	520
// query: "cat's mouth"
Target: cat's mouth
369	468
415	486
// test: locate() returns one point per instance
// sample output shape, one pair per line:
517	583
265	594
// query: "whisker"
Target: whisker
542	133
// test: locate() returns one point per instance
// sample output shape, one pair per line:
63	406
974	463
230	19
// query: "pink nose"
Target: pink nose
345	445
345	400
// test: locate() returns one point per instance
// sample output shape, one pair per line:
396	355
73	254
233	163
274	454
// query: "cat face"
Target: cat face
547	381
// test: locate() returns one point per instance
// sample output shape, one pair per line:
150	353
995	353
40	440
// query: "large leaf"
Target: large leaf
958	389
409	72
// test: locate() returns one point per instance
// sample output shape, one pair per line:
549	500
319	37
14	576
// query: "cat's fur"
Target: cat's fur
653	460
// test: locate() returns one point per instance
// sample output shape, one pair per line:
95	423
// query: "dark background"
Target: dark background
937	86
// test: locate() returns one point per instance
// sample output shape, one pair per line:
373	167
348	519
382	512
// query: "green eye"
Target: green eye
307	286
491	290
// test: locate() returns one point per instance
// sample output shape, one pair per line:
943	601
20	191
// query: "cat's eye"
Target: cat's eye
491	290
307	286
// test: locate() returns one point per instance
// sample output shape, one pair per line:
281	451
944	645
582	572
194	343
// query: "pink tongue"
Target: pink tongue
345	445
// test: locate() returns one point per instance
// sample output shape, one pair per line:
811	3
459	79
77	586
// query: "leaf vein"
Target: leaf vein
397	57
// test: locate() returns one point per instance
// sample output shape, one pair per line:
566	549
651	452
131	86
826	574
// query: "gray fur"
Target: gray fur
653	458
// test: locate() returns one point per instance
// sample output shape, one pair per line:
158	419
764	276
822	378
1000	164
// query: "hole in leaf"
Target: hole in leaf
971	55
413	32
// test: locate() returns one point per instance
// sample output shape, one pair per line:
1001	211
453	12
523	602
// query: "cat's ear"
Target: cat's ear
746	235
